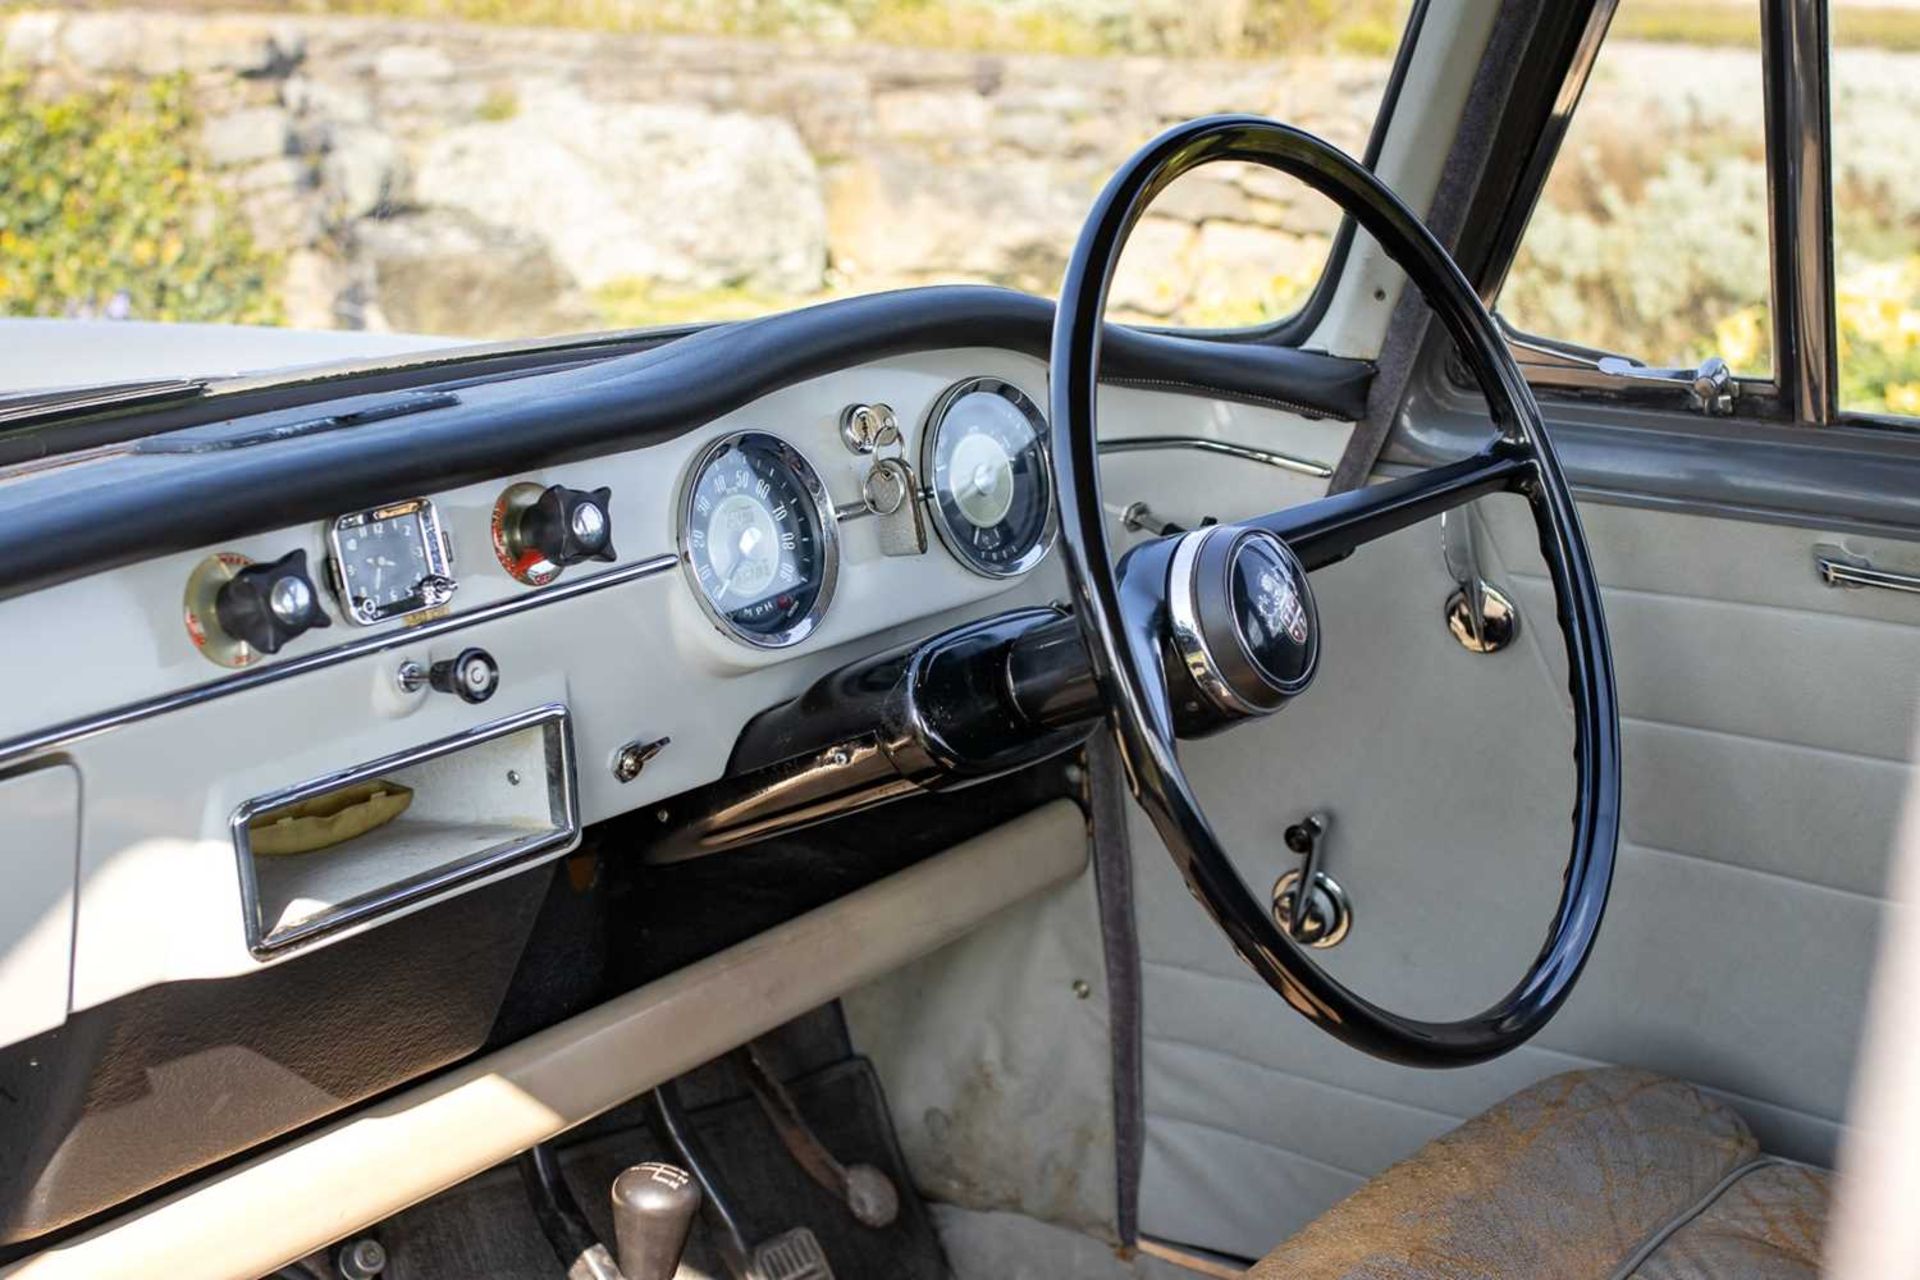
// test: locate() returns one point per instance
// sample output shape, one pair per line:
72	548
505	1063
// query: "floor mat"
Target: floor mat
485	1228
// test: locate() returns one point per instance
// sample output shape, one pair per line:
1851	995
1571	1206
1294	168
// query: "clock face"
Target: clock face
390	562
984	455
757	537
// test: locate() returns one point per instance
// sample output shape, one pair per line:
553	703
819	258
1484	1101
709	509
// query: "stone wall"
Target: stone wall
498	181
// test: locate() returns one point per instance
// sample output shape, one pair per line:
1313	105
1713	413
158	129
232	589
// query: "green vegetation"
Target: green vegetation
1878	306
1877	316
1658	252
1706	22
1181	28
1225	28
1662	252
638	304
109	211
499	104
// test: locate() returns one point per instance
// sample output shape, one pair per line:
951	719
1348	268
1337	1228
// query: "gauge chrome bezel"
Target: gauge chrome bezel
436	585
810	484
950	538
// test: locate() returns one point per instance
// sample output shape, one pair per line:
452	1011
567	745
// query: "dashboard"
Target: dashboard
720	566
322	682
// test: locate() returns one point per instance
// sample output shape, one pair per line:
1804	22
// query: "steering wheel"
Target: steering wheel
1193	632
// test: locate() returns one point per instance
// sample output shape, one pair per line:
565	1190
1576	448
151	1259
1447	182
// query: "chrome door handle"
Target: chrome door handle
1839	568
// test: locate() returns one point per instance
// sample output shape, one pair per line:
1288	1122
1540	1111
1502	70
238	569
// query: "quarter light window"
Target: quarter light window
1650	239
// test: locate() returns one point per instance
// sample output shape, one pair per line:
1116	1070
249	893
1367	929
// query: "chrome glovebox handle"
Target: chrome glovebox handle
1840	568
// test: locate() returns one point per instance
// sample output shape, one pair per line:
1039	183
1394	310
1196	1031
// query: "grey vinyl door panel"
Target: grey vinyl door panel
1768	739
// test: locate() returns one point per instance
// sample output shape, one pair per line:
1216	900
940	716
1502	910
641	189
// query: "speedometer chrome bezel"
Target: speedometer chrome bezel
810	484
929	446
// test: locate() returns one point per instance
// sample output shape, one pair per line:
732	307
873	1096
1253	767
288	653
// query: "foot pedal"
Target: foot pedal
868	1194
791	1255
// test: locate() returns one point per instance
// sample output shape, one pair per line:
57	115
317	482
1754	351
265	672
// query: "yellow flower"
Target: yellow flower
1740	338
1904	397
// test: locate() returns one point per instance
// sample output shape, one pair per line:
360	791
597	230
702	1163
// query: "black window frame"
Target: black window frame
1802	389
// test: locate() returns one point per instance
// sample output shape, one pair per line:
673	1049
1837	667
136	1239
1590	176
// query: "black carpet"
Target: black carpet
485	1227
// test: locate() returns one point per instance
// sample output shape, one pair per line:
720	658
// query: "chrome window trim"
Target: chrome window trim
1533	178
18	749
1225	448
562	800
1794	47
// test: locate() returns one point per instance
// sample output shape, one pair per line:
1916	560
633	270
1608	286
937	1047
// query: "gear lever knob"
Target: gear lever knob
653	1208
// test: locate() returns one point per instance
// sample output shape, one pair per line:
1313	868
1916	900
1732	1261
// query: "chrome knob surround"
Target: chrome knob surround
291	599
589	524
1243	620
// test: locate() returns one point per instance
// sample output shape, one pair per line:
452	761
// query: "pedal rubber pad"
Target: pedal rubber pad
791	1255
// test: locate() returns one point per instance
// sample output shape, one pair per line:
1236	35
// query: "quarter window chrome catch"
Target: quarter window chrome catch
1712	385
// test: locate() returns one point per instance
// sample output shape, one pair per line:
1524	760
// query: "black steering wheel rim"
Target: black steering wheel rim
1112	604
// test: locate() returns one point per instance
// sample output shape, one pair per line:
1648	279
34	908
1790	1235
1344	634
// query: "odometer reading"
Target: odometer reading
984	453
390	562
757	537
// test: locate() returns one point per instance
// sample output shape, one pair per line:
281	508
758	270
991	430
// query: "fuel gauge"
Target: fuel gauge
984	456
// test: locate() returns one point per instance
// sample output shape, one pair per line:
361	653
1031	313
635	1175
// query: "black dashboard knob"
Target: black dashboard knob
567	526
267	605
471	675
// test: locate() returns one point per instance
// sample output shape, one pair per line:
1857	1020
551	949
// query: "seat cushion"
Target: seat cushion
1590	1175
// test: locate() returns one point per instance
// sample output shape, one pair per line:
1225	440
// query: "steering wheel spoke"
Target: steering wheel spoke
1330	529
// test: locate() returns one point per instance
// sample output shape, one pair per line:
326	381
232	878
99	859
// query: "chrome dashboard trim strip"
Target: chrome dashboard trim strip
1225	448
563	802
15	750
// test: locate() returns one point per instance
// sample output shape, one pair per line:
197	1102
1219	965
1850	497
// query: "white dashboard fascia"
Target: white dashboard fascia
159	896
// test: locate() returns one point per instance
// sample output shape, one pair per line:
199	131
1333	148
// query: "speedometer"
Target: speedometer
985	459
757	537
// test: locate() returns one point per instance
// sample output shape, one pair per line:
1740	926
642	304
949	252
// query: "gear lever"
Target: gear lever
653	1209
791	1255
